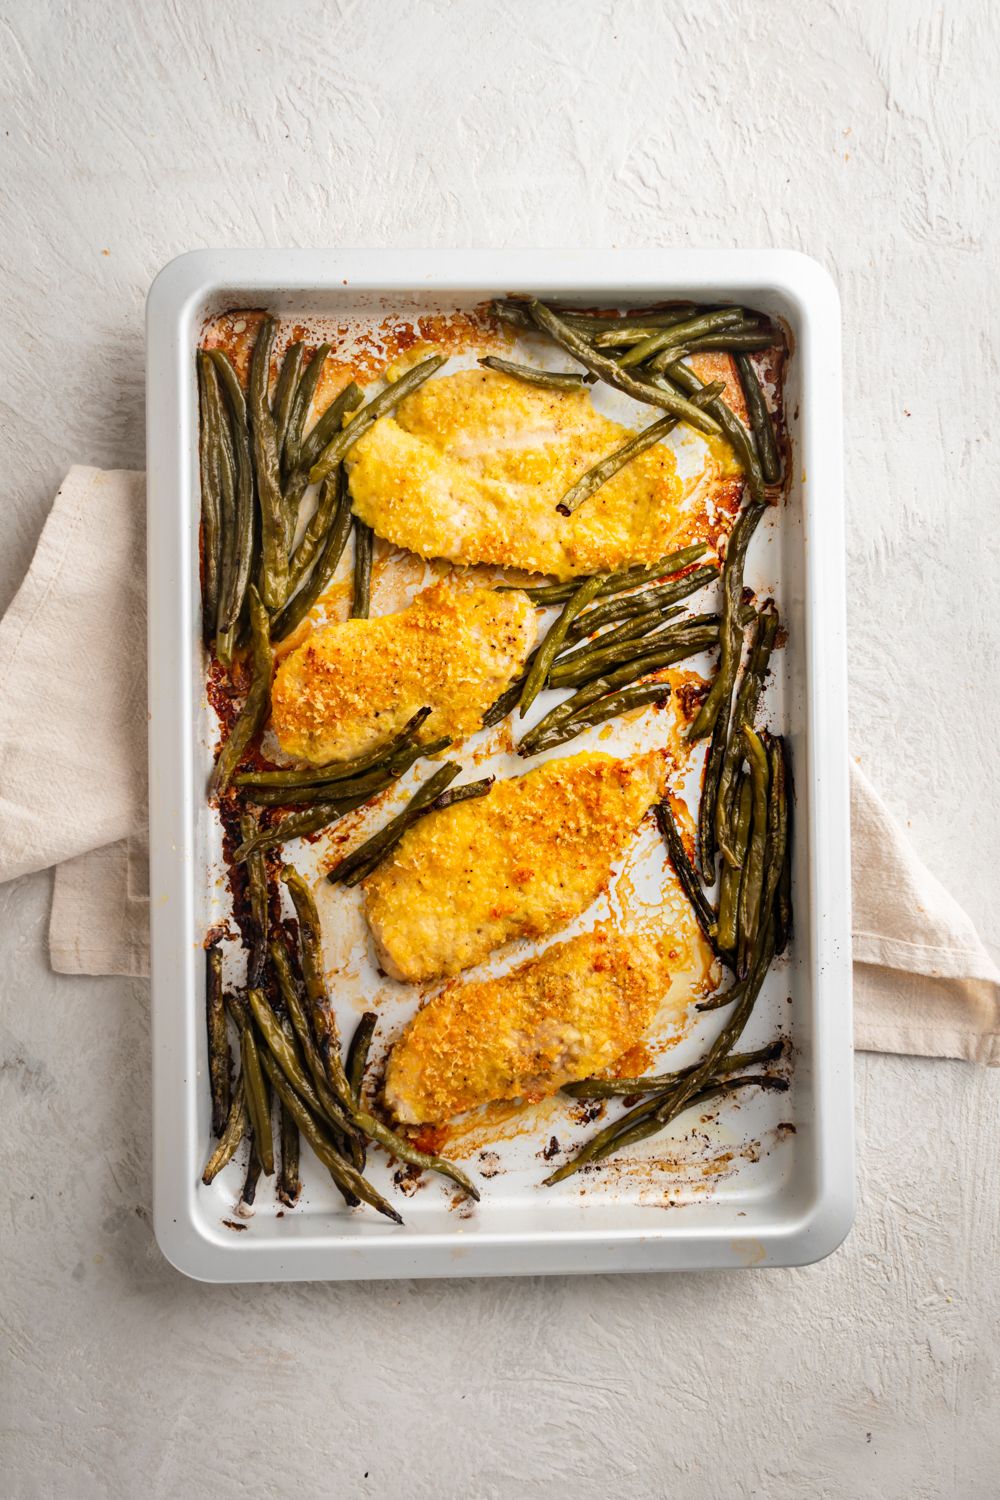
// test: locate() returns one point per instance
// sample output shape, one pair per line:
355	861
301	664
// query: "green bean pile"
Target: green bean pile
256	462
290	1056
743	848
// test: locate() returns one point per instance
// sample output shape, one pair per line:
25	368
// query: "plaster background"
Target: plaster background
863	134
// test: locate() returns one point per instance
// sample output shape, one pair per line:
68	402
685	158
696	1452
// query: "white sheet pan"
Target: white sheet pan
769	1182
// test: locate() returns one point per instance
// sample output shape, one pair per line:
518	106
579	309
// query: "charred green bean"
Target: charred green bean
466	793
361	597
273	538
321	1012
744	712
289	1180
219	1059
685	872
616	583
251	718
233	1133
357	1052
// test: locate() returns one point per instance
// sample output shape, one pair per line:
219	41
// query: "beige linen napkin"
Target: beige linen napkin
73	777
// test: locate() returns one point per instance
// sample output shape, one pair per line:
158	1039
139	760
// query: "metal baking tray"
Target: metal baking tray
768	1182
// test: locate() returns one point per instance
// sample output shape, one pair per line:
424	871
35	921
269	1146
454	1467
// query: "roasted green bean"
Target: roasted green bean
368	415
760	419
752	885
685	872
729	885
305	391
717	743
249	1190
357	865
343	770
650	1123
730	634
555	380
273	538
219	1059
722	998
283	1049
258	1108
323	569
284	392
225	464
657	1083
289	1181
633	628
557	717
777	822
599	712
315	533
242	554
540	667
515	313
589	483
783	895
361	597
744	712
257	890
466	793
323	1017
584	666
298	825
335	1112
399	1146
679	375
357	1052
211	494
254	711
610	371
235	1128
330	424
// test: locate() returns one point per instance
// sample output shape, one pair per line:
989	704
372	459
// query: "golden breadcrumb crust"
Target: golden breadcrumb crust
564	1015
352	685
518	863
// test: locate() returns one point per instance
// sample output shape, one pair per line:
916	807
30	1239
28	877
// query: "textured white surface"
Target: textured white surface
862	134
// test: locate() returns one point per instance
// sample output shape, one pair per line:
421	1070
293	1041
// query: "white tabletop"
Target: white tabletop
863	135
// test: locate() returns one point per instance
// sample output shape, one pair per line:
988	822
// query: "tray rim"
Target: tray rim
185	284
